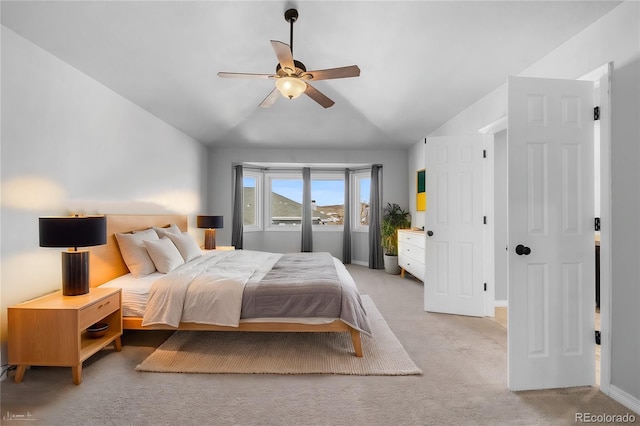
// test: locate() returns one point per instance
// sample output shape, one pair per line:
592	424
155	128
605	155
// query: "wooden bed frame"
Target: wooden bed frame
106	263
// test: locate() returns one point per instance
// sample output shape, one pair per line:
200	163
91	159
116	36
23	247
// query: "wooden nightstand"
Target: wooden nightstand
219	248
51	330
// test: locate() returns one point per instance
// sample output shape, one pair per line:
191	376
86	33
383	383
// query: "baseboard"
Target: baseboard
500	303
360	262
624	398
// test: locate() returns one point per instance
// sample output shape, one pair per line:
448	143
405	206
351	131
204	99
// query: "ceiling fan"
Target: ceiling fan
292	78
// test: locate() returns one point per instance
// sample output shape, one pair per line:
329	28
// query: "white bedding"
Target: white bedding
135	291
206	290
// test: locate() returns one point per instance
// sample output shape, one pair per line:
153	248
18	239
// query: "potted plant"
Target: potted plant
393	218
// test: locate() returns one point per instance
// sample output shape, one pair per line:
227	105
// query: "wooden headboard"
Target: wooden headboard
105	261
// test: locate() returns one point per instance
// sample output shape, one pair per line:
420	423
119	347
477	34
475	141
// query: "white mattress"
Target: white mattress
135	292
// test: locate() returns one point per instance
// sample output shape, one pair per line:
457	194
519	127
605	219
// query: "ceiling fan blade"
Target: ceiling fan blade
245	75
317	96
285	57
270	99
342	72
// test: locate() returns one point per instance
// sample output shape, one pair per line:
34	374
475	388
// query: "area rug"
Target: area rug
283	353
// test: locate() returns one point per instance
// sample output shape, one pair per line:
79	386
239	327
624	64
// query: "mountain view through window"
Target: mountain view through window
284	198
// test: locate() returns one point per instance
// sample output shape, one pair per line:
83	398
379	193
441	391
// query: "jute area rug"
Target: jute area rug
283	353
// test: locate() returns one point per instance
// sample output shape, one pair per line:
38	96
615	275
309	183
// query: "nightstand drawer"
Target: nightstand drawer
99	309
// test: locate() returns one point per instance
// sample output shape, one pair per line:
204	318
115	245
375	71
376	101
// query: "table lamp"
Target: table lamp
210	223
73	232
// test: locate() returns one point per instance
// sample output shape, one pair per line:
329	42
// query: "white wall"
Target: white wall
70	144
615	37
394	190
416	162
500	213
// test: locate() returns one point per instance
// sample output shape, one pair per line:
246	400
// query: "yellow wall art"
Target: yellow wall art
421	195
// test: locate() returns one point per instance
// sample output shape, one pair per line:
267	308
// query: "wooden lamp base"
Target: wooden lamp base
75	273
209	239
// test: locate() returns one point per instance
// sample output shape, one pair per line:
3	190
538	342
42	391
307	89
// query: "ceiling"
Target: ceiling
421	62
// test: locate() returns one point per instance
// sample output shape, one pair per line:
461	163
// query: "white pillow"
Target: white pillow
188	247
164	254
162	232
135	253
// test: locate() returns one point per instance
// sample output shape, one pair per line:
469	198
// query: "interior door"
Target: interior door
551	234
454	225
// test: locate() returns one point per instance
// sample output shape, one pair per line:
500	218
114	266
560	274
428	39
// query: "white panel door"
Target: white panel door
454	225
551	234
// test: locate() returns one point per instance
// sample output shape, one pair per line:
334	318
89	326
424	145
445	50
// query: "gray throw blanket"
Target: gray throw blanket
304	285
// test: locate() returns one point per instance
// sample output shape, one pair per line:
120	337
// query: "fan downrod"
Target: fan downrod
291	15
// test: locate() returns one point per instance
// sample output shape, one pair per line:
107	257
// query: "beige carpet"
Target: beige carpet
464	382
283	353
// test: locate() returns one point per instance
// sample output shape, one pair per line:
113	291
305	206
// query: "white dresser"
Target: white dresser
411	252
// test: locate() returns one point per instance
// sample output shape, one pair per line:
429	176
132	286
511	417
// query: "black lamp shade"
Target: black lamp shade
210	222
73	231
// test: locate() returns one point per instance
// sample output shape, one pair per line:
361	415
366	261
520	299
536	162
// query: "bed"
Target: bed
156	290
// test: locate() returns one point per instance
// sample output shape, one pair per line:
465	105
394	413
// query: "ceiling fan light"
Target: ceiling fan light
291	87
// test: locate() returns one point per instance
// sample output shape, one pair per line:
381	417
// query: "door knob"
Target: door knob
430	233
522	250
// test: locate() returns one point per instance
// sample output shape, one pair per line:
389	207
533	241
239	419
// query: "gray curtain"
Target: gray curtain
238	209
346	233
376	257
307	236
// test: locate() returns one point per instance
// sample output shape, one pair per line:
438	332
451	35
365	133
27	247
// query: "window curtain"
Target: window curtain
307	225
238	209
376	258
346	233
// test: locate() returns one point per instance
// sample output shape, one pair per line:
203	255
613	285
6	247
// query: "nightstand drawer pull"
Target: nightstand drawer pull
100	309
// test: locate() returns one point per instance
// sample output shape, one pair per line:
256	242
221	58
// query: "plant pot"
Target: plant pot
391	264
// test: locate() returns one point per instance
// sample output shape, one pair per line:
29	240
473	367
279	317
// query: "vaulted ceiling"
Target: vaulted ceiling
421	62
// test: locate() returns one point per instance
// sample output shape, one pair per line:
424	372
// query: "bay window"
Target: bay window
273	199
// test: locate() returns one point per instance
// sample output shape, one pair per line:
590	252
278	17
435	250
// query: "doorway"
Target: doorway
601	78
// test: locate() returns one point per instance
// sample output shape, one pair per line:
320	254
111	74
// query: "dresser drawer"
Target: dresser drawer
414	238
411	252
98	310
403	261
414	267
